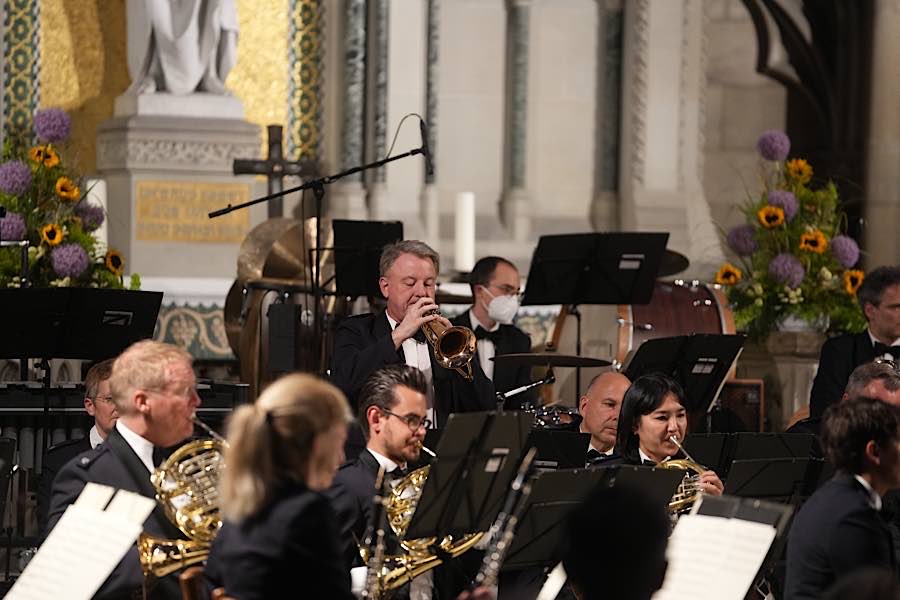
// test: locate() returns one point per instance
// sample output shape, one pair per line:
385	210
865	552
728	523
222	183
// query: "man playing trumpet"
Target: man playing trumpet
364	343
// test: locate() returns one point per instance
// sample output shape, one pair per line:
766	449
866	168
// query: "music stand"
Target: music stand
699	362
777	479
594	268
357	250
477	459
713	450
559	449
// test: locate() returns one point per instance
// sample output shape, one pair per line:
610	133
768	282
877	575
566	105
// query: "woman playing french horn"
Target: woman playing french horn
279	538
653	413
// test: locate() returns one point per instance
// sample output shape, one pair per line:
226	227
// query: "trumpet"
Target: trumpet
688	491
453	346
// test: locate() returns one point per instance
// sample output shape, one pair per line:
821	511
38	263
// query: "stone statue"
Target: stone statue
181	46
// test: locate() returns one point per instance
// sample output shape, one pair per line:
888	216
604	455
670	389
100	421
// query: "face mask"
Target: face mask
502	309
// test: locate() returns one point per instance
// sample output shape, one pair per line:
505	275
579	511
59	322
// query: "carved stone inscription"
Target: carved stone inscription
176	211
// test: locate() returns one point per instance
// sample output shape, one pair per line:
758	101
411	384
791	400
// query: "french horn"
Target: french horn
688	491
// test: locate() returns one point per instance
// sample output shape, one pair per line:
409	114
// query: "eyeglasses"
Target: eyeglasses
107	399
507	290
412	421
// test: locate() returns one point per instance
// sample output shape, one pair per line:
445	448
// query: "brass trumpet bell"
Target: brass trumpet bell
453	346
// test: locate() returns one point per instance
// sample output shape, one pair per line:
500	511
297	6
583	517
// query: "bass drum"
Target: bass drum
612	332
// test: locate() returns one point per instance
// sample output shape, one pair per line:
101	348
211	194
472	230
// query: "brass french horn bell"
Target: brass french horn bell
453	346
688	491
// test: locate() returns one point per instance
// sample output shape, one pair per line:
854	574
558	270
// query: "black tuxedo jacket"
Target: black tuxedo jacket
351	495
363	344
506	377
834	533
840	355
115	464
54	459
288	549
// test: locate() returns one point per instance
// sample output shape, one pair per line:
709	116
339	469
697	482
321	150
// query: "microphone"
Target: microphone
429	166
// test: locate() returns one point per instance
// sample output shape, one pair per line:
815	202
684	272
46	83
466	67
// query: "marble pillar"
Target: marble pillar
604	207
380	54
429	201
515	205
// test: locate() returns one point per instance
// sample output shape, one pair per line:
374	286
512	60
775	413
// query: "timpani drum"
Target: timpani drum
612	332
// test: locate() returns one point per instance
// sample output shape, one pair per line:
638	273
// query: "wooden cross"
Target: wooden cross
275	168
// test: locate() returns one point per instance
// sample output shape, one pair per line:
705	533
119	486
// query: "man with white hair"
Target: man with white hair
154	391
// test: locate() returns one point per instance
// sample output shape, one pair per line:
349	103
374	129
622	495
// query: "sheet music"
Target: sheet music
85	546
714	558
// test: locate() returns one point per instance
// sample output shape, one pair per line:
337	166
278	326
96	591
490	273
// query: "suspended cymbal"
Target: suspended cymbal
550	359
672	263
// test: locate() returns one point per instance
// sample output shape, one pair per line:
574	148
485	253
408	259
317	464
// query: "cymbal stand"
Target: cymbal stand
502	397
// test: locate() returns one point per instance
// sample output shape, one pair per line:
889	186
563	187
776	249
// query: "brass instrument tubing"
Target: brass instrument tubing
212	433
680	447
425	449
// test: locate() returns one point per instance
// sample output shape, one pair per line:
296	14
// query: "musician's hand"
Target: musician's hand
446	322
479	593
711	484
414	318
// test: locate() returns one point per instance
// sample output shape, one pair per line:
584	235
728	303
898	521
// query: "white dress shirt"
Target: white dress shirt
486	348
874	498
143	448
416	355
94	437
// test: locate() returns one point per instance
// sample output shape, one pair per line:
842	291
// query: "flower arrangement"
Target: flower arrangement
794	259
46	205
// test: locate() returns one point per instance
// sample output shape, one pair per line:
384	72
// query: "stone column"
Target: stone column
882	207
604	208
378	189
429	200
661	148
22	64
515	206
348	198
305	50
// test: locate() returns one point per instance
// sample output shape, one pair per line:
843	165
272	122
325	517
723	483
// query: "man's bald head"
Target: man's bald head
599	408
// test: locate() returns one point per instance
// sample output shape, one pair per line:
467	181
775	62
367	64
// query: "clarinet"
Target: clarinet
504	526
374	542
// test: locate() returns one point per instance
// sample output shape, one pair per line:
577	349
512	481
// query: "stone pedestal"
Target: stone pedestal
787	362
163	175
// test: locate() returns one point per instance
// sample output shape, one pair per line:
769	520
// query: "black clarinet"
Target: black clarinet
373	546
503	529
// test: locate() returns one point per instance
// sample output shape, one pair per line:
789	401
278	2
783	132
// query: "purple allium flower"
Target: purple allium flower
773	145
845	250
740	240
786	200
12	227
15	177
69	260
787	269
52	125
92	216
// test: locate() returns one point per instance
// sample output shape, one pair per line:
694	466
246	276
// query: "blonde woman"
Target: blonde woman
280	537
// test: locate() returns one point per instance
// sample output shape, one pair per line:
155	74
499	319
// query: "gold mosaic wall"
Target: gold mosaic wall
84	65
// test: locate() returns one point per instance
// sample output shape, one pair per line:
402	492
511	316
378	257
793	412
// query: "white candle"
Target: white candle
465	231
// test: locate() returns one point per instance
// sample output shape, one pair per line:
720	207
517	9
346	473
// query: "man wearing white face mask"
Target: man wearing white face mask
495	284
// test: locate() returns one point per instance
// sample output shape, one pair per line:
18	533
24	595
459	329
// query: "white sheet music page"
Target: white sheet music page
85	546
714	558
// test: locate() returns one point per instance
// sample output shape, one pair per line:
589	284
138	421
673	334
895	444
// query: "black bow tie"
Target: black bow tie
483	334
420	336
397	473
159	455
881	349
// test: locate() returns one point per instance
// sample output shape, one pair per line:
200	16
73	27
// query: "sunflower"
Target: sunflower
728	274
44	154
770	216
814	241
115	262
67	190
852	280
799	169
52	234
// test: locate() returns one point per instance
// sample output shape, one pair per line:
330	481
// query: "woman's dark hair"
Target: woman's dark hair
644	396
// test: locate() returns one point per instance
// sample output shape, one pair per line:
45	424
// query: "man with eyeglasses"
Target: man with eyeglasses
496	285
154	391
392	414
98	404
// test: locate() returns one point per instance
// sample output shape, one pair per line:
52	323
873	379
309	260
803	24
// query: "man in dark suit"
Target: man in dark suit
839	529
98	404
392	416
364	343
599	408
495	285
155	393
879	297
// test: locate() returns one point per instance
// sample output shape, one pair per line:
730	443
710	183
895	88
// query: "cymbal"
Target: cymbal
672	263
550	359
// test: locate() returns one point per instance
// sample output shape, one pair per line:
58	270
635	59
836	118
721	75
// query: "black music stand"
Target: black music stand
478	455
699	362
776	479
594	268
559	449
713	450
357	250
